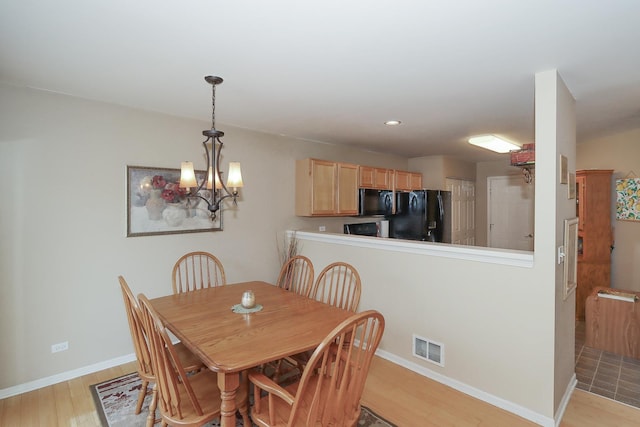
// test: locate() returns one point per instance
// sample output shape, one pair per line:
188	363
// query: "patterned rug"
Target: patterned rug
115	402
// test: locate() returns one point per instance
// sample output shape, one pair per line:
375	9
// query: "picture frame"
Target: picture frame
571	189
156	204
570	258
563	169
628	199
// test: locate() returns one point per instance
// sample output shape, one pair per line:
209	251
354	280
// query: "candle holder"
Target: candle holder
248	299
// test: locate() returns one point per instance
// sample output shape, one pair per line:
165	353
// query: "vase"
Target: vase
174	214
155	205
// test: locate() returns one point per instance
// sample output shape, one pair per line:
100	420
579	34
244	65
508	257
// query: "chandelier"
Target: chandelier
217	191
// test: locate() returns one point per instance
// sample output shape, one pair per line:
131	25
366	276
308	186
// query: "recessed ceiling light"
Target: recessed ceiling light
493	143
392	122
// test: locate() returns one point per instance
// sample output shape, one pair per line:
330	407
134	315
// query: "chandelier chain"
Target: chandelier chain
213	106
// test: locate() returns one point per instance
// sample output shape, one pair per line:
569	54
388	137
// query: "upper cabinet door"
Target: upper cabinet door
347	189
325	188
376	178
407	181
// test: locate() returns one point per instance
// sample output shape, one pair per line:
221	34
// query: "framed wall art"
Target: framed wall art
572	186
628	199
157	205
563	169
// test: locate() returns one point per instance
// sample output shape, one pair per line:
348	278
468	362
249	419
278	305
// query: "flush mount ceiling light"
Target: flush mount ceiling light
217	191
392	122
494	143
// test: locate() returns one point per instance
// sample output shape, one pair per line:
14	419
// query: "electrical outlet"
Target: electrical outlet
61	346
322	228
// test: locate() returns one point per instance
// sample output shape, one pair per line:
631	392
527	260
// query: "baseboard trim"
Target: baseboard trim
565	399
65	376
474	392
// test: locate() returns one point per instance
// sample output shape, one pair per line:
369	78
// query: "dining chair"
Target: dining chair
143	355
338	284
197	270
185	400
331	385
296	275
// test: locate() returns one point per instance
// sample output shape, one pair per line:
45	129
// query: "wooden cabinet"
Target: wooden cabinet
612	324
407	181
595	237
376	178
325	188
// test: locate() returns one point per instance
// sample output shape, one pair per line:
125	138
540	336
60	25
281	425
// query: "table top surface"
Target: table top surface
230	342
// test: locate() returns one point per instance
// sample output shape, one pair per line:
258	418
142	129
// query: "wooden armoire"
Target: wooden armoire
595	236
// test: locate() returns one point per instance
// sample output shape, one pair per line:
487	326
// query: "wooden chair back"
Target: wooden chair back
332	383
338	284
171	378
138	334
296	275
197	270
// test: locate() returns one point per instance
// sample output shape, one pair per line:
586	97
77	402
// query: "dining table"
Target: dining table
229	342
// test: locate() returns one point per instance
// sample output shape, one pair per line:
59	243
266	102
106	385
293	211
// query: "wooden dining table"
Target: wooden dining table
229	343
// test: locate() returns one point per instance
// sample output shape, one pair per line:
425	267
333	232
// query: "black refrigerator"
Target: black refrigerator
422	215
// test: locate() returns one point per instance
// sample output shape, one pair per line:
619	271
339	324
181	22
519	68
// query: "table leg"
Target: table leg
228	385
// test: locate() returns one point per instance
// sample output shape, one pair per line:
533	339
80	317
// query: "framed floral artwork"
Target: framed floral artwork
628	199
157	205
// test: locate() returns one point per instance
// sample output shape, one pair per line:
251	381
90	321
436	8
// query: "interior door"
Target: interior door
463	220
511	213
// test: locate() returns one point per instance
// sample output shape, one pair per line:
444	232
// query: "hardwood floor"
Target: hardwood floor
408	399
403	397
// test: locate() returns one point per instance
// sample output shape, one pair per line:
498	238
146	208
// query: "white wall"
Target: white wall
487	316
436	169
555	136
63	223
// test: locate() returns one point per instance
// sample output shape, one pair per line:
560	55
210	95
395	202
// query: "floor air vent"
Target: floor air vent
428	350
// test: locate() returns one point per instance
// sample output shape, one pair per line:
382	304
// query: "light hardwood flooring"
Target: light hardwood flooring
403	397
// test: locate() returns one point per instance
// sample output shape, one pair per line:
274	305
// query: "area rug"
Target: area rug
116	400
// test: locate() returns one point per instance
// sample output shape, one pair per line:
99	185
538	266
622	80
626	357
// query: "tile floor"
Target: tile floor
606	374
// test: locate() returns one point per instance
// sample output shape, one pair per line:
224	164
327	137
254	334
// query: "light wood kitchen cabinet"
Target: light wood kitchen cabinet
376	178
595	237
407	181
325	188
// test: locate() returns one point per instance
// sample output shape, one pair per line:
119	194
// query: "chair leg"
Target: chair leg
244	411
141	396
277	370
151	417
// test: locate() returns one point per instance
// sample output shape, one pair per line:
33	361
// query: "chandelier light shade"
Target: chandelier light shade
187	175
217	191
235	176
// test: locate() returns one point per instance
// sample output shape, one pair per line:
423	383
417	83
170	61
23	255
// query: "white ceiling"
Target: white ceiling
334	71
